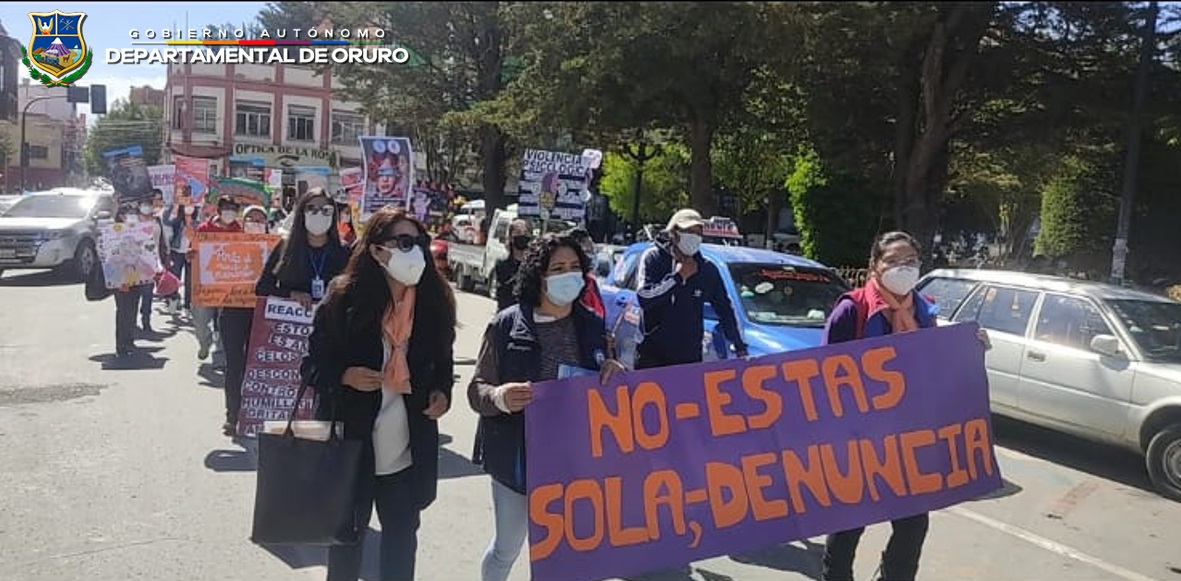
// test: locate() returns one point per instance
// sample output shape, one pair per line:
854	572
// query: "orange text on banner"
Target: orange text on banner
227	267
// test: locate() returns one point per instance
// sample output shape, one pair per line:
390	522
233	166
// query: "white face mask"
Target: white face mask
254	228
317	223
406	266
688	243
145	209
563	289
228	216
900	280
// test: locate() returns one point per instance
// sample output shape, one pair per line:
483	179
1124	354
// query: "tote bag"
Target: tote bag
305	490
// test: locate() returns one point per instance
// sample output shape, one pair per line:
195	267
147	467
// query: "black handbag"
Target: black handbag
306	489
96	284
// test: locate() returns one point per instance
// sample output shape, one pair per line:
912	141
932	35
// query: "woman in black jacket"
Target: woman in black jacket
527	342
303	263
380	357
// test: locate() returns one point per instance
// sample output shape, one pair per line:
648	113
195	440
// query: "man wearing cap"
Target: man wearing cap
674	281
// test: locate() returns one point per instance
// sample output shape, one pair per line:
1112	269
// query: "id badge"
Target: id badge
317	288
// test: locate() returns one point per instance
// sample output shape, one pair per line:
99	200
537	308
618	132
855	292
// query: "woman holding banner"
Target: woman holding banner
524	343
308	257
887	304
380	358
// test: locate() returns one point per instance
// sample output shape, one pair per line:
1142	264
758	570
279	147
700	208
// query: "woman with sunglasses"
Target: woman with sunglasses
380	358
309	256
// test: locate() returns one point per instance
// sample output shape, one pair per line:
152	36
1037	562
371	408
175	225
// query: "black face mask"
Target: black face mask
521	242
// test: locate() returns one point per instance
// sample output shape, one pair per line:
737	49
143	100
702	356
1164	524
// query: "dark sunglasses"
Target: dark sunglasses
402	242
325	210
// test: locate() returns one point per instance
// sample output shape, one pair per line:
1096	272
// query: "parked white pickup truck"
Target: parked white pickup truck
475	264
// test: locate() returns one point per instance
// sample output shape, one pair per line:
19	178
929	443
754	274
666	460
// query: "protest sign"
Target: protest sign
389	173
246	192
551	185
278	342
673	465
163	179
247	167
274	180
192	180
129	253
129	173
353	181
228	267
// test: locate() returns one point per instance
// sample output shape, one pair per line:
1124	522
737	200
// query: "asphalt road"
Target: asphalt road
114	473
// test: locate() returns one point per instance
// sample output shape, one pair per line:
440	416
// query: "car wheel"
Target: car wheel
1164	462
85	260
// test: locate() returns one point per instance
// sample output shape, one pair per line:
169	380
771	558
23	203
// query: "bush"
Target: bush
837	215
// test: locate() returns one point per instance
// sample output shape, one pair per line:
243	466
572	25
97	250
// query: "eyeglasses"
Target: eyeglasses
325	210
401	242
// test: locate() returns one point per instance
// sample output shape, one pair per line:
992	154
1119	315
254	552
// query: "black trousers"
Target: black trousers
399	517
235	336
180	269
146	292
900	560
126	306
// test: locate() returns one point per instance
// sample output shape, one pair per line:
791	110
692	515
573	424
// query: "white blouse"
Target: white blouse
391	431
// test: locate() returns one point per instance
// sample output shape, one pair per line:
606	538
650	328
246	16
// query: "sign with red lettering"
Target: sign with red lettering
668	466
278	342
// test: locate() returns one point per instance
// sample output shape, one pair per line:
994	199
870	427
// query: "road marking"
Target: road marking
1049	545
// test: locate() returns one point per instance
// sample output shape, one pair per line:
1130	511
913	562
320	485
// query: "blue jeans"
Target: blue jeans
511	512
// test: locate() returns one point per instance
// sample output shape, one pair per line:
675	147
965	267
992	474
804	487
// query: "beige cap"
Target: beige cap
684	219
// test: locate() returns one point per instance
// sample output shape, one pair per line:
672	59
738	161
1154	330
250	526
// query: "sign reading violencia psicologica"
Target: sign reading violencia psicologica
311	46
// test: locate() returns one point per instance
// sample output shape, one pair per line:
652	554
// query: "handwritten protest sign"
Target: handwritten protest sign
163	179
129	253
278	342
228	266
552	183
668	466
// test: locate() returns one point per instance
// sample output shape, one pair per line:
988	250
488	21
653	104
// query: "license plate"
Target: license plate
7	253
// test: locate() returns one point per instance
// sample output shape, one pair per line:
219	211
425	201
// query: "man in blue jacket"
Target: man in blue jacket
674	281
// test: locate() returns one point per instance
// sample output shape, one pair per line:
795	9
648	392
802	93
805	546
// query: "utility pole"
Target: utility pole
1119	251
640	152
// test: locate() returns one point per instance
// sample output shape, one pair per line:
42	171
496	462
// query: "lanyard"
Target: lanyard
317	269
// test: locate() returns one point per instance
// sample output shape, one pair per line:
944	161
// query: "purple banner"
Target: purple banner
663	467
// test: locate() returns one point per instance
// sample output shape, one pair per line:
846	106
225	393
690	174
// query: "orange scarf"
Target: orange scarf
396	326
901	313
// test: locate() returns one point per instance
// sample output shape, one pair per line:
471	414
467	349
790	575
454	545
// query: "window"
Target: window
301	123
947	293
774	294
38	152
347	127
204	115
1155	326
1006	310
252	119
1070	322
178	111
627	271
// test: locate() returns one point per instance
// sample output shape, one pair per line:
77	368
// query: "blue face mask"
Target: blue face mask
563	289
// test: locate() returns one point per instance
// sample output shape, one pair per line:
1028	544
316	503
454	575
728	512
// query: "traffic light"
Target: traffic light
98	99
77	94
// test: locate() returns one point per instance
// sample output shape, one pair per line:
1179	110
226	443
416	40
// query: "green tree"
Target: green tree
665	188
125	124
1078	214
836	216
458	62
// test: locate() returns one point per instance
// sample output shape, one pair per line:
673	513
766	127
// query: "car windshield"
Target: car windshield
51	206
1155	326
777	294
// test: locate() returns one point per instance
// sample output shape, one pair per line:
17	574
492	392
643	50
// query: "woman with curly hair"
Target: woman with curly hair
380	359
524	343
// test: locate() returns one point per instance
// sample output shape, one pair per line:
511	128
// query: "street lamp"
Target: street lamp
25	146
642	150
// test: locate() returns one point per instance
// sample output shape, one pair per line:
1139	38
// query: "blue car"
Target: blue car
781	301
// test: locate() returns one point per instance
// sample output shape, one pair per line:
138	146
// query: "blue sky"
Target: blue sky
107	25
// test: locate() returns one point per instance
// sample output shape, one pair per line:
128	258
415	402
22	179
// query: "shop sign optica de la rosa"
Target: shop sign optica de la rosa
287	156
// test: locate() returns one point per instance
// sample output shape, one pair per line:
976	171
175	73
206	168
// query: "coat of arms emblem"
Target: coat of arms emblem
57	55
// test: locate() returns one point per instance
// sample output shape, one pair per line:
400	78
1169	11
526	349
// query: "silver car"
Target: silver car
1094	360
54	229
